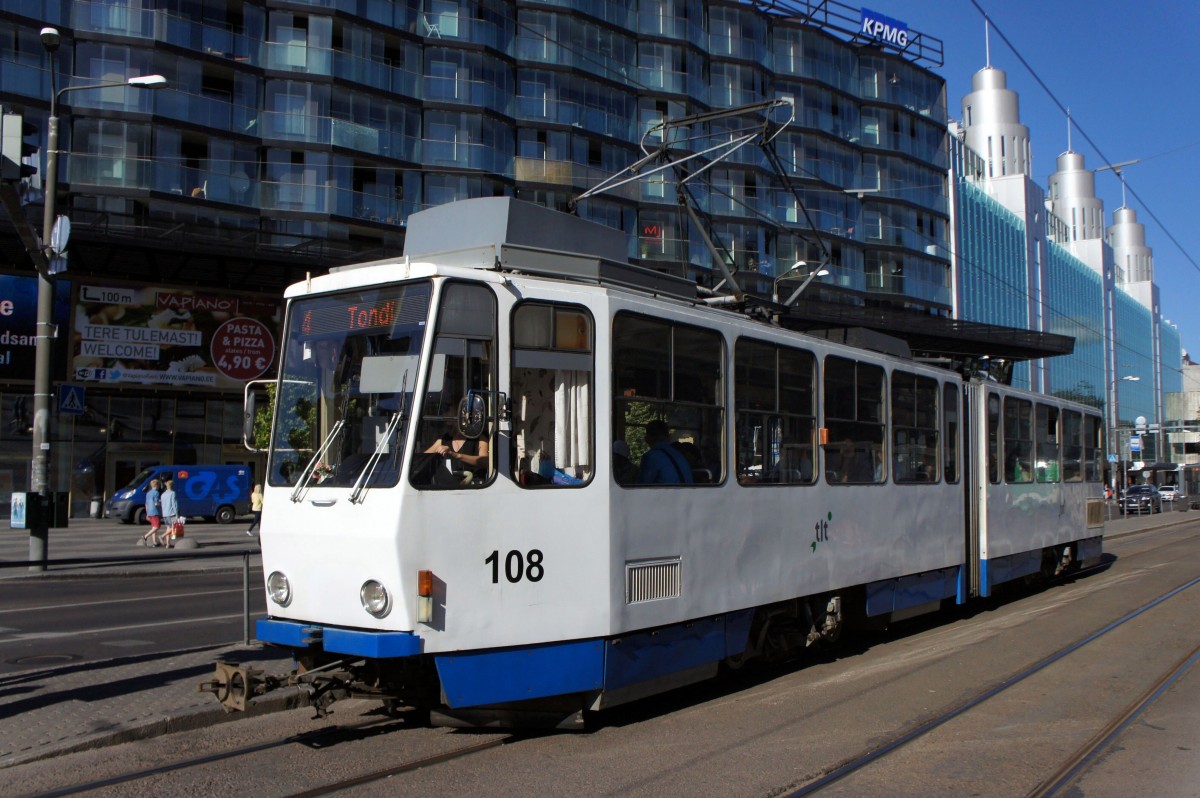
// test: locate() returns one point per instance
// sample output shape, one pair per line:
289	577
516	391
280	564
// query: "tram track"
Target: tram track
1073	764
404	767
1078	762
316	739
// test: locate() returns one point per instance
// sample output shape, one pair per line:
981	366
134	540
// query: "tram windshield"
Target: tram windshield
350	363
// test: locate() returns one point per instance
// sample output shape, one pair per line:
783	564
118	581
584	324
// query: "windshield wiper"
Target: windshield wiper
367	472
306	474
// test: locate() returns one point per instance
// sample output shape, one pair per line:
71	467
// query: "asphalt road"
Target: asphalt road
48	622
770	732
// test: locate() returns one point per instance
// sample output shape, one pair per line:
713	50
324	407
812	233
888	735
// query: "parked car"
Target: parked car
1142	499
1169	493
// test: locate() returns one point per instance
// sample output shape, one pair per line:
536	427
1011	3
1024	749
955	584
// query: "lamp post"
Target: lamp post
1124	471
44	330
798	266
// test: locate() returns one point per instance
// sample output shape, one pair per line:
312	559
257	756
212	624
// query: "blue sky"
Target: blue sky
1127	71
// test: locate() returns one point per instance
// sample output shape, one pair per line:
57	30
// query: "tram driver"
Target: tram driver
452	459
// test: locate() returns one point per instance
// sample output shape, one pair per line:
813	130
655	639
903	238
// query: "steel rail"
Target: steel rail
1078	761
870	757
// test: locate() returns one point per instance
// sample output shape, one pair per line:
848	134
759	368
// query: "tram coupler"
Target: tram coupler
234	685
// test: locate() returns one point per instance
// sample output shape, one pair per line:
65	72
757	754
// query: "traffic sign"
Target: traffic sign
1112	458
70	400
1135	443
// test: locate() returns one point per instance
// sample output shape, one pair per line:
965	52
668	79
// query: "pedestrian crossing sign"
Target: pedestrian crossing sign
70	400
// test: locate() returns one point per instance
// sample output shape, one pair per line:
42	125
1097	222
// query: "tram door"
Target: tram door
976	452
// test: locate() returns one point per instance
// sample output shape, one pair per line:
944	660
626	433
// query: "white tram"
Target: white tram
449	524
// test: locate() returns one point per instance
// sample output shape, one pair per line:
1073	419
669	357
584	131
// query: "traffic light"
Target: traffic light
16	150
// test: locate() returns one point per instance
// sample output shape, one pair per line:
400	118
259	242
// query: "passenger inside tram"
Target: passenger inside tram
663	463
850	465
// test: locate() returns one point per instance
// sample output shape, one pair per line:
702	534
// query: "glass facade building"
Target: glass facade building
992	271
296	136
1135	358
323	125
1075	307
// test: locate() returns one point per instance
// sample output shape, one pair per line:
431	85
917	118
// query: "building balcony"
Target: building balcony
158	25
595	120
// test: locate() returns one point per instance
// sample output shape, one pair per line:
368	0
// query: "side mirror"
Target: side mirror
472	415
255	396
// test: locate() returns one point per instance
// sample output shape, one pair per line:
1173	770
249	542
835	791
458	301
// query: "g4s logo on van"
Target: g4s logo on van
204	484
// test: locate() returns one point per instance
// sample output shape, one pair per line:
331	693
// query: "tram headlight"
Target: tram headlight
279	588
375	598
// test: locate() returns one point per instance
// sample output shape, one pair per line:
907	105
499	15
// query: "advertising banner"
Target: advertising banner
18	325
171	336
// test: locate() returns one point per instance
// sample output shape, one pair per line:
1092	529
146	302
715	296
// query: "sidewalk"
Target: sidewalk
56	710
90	538
53	711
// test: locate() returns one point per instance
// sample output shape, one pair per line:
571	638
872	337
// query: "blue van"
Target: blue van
217	492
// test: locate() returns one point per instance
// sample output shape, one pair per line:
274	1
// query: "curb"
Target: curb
202	712
188	720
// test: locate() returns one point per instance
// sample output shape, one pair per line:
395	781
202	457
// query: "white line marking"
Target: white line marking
78	632
144	598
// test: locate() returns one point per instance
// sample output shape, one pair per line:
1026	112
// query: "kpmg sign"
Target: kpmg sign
885	29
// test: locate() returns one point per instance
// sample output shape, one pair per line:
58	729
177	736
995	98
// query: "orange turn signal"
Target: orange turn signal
425	583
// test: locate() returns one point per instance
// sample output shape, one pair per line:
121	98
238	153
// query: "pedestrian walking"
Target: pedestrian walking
170	513
256	497
153	515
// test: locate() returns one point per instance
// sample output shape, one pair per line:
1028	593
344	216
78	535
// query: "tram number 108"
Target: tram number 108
517	566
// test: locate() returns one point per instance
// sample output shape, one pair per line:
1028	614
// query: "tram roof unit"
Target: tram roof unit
532	239
507	234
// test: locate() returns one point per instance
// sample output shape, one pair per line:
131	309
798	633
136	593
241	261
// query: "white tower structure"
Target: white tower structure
1073	199
992	123
1135	260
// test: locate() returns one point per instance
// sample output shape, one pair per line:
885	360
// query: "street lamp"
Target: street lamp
44	330
1125	461
798	266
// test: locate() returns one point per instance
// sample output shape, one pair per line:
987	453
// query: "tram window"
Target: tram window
914	428
993	438
775	396
854	418
950	410
1072	449
674	373
1046	464
1093	448
552	395
348	371
1018	440
463	366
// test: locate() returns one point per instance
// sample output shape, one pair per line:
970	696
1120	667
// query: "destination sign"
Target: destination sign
362	315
